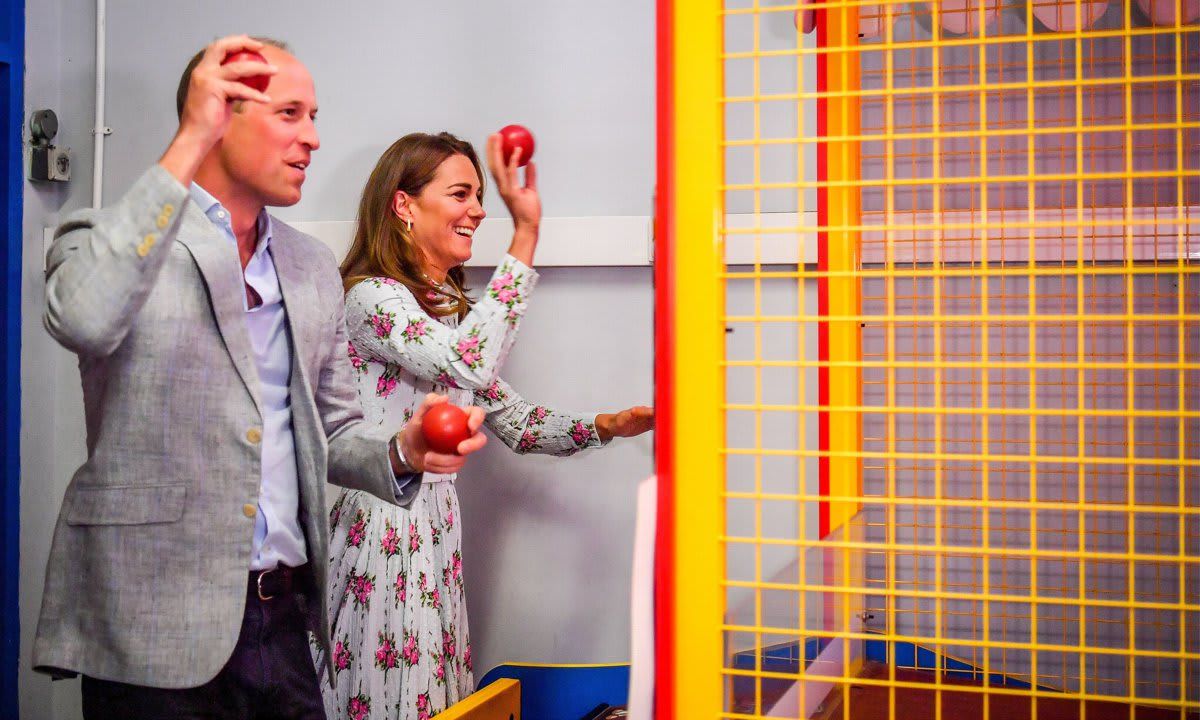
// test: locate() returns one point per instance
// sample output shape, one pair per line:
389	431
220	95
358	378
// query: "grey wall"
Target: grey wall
548	541
59	66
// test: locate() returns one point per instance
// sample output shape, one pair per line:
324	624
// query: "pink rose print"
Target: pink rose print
356	362
439	669
410	653
580	434
408	413
381	281
505	289
448	643
443	378
359	707
423	709
430	597
401	588
361	587
415	330
435	533
386	656
358	530
528	441
414	538
390	542
467	657
450	520
452	573
492	393
382	322
470	349
386	385
341	656
539	414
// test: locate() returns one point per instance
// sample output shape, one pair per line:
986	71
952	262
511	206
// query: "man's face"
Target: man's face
267	148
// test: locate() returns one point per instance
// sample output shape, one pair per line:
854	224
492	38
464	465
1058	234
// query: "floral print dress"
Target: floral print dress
401	646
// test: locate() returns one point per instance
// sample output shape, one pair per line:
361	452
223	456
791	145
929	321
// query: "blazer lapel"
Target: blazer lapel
219	265
301	307
299	296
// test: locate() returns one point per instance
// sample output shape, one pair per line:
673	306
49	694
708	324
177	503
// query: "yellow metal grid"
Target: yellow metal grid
1014	362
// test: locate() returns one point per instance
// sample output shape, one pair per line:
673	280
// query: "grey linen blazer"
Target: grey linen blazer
146	580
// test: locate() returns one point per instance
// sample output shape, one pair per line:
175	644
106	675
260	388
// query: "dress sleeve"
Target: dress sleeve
386	323
529	428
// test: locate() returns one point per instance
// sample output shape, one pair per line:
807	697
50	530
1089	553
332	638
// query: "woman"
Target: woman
401	643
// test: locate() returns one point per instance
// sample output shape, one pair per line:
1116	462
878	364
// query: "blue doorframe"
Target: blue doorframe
12	85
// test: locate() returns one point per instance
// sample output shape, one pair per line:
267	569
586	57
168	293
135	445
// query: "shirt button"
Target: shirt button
162	221
249	510
168	209
143	250
254	435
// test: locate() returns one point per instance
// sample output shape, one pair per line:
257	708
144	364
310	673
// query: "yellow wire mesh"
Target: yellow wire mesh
1027	189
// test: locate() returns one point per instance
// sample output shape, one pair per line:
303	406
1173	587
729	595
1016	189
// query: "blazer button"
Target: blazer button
254	435
249	510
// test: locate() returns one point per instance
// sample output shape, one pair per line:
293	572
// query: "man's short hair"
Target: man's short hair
186	79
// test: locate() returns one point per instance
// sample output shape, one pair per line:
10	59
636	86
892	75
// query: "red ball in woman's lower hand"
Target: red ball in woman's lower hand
258	82
513	137
444	427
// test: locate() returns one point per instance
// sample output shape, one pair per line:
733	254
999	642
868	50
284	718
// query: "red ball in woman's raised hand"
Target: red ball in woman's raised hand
444	427
258	82
513	137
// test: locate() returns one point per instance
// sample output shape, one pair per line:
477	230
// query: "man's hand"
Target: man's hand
206	114
627	423
417	452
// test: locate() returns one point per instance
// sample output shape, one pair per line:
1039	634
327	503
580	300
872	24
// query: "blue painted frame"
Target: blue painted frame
12	113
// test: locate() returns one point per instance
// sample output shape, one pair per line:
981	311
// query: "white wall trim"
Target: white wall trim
610	240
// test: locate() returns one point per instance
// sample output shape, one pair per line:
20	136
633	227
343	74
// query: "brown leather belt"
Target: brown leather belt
280	581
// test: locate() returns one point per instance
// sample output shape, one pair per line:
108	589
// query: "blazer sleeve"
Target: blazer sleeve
104	263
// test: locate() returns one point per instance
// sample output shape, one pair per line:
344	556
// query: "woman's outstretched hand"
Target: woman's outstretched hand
627	423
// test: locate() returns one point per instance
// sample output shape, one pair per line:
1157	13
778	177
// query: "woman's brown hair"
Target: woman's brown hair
383	245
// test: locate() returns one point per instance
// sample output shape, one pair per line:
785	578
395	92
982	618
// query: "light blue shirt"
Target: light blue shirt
278	537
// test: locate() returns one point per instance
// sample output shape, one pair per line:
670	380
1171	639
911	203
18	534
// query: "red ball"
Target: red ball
258	82
444	427
513	137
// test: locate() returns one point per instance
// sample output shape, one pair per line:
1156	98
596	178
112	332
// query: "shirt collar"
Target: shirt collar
219	216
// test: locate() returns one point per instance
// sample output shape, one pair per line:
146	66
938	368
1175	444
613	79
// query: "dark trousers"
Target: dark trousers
269	676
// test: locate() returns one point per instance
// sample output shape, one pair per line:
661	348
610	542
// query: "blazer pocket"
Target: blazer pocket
127	504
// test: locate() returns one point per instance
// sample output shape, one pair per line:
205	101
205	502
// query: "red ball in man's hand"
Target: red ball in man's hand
444	427
513	137
258	82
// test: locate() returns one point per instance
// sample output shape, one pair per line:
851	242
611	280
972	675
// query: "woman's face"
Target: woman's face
446	213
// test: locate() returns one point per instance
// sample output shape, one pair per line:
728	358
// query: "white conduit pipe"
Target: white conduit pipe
100	130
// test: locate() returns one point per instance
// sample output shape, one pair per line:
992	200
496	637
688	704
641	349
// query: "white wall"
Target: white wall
59	67
548	541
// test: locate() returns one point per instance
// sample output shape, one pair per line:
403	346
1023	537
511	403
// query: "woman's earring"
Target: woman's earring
409	223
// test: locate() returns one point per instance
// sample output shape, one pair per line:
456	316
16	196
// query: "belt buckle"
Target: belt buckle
261	575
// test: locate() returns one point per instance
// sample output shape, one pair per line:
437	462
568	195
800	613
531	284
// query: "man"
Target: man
189	559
